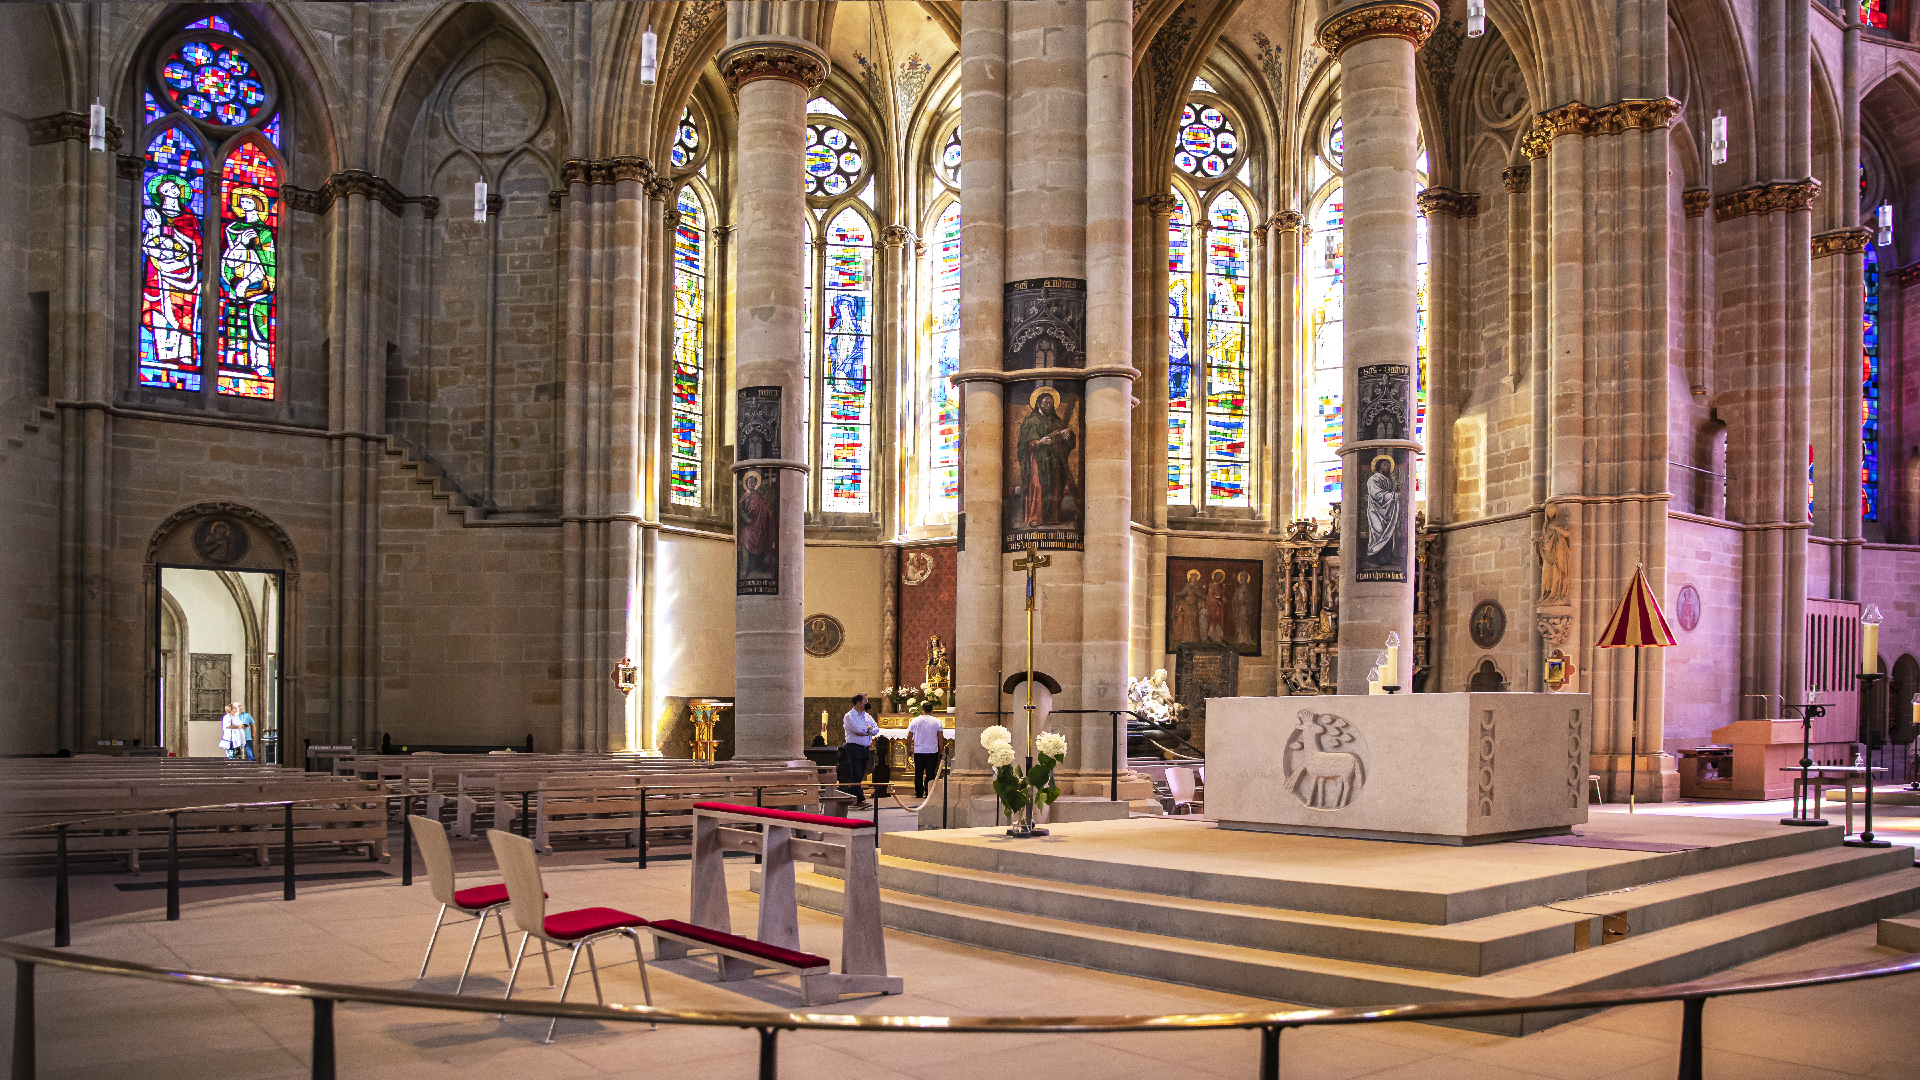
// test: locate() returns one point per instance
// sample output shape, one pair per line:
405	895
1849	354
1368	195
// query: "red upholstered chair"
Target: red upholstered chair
481	901
573	929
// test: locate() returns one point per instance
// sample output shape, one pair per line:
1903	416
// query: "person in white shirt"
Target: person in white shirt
925	732
856	749
236	733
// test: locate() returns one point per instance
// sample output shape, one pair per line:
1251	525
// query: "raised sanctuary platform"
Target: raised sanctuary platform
1335	921
1430	768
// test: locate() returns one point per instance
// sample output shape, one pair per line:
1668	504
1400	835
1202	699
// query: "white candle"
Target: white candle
1392	673
1870	640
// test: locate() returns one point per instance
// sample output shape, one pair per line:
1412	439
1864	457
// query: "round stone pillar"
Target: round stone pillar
774	77
1374	43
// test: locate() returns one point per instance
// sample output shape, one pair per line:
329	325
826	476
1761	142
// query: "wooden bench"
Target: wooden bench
782	838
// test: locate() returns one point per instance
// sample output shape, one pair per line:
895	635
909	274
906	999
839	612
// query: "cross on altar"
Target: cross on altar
1034	561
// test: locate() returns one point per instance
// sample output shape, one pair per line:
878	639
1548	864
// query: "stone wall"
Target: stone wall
1702	673
1486	561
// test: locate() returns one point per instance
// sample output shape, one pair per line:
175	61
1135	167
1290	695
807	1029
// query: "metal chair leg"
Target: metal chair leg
593	968
479	927
514	974
500	916
641	959
547	960
575	959
435	936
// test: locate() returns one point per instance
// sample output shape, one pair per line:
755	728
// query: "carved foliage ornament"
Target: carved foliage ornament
1440	200
612	170
355	182
1286	221
1161	206
1573	118
1784	196
1908	276
1382	18
772	62
1852	241
1696	201
1516	178
69	126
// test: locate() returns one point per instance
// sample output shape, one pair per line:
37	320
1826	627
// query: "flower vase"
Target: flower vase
1024	827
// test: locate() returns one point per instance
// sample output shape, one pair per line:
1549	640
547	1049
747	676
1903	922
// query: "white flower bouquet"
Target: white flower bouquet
1024	791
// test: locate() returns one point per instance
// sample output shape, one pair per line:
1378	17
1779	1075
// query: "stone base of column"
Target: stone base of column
1658	778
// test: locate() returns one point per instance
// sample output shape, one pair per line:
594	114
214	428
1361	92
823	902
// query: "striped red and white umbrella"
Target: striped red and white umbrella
1637	621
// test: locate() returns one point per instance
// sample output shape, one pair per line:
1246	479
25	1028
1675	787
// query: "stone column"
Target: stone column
1374	42
1852	336
774	75
1153	437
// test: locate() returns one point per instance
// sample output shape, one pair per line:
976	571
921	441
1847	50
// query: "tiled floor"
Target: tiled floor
372	933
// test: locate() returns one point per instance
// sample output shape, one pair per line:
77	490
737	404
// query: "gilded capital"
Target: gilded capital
612	170
1780	196
1410	20
750	60
1852	241
1696	201
1574	118
1161	206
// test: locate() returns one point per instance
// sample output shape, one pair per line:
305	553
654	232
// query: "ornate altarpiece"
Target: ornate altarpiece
1308	610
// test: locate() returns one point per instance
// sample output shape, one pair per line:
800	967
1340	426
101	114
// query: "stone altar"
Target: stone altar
1429	768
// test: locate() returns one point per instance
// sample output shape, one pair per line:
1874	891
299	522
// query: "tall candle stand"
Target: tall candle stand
1809	712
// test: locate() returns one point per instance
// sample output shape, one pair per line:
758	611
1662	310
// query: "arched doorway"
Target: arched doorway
221	581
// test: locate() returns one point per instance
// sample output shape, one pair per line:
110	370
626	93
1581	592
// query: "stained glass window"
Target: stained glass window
686	141
211	80
1206	143
822	105
151	111
1420	336
834	160
943	413
1326	318
950	158
847	399
1870	397
1229	319
1873	13
212	22
1201	86
1180	477
172	206
689	349
249	269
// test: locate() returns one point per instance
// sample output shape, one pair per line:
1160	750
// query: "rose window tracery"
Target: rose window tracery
1207	142
834	161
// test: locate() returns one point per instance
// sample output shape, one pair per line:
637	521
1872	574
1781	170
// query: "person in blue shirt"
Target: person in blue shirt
236	733
856	749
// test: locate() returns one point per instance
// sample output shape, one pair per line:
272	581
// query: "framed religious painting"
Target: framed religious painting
1215	602
1045	465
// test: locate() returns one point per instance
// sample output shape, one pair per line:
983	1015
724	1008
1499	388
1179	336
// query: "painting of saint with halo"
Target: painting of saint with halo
1044	465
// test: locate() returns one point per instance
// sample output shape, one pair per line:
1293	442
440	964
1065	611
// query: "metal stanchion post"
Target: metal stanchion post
286	886
643	828
406	839
769	1054
1113	763
62	921
322	1039
173	866
758	856
1690	1043
1270	1053
23	1064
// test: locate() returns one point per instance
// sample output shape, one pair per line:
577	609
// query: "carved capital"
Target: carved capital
1852	241
1555	630
1160	206
1907	276
1574	118
350	182
1457	204
612	170
767	60
65	126
1286	221
1516	179
1696	201
1408	20
1782	196
659	189
894	236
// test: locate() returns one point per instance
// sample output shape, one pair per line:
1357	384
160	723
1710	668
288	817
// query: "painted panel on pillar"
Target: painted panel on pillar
1046	323
757	495
1387	487
1046	464
1215	602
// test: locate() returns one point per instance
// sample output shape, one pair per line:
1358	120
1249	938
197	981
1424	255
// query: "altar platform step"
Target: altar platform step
1694	925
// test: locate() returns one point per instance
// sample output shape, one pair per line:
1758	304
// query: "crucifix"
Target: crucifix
1034	561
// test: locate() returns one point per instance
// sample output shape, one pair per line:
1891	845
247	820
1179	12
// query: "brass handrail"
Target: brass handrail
768	1023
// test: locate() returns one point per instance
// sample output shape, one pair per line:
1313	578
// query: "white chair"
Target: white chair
481	901
573	929
1180	783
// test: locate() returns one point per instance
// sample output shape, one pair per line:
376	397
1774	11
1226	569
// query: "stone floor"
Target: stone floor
372	932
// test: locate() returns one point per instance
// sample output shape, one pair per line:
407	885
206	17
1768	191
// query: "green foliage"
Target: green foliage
1037	785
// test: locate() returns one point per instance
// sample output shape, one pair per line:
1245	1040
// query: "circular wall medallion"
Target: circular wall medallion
1687	607
1323	761
917	567
1488	624
220	539
824	635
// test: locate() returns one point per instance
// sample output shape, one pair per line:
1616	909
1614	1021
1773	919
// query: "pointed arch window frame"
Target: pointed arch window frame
939	399
1196	489
218	277
692	489
861	457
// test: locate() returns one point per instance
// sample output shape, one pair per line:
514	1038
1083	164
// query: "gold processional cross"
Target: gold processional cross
1034	561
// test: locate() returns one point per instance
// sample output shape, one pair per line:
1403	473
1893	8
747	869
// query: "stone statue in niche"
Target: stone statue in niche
939	673
1555	547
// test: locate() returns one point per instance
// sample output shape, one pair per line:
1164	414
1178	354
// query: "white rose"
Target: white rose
1051	743
996	736
1000	754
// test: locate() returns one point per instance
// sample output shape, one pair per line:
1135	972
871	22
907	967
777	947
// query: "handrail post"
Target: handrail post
322	1039
286	887
769	1054
758	795
643	828
1113	763
173	866
1270	1052
1690	1045
62	920
23	1065
526	819
406	839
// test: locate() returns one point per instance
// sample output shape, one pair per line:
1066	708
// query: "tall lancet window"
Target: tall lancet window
209	250
1209	313
943	360
1870	396
689	349
847	366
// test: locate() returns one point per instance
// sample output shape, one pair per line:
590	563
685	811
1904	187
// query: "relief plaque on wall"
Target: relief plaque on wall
1045	322
1488	623
1045	465
220	539
1386	483
757	494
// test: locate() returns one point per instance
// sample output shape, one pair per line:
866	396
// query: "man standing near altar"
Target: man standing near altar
925	731
859	728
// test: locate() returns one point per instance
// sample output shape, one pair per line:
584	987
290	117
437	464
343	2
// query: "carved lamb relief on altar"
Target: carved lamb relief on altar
1318	772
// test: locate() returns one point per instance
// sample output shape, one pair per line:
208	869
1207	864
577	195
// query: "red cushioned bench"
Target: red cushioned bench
740	957
795	817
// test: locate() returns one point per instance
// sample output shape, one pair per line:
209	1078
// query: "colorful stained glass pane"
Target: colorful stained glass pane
686	141
833	160
249	271
1874	13
822	105
212	22
1420	338
688	451
272	131
1180	322
172	207
1870	393
1337	144
151	110
1229	319
1325	260
213	81
1206	142
950	158
847	378
943	407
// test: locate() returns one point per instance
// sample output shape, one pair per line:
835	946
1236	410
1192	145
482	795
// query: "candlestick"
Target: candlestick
1870	640
1392	660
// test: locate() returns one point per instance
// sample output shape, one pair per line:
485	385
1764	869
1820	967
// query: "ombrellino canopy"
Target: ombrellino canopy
1637	621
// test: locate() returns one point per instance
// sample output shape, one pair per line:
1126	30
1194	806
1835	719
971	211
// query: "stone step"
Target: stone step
1428	884
1688	951
1477	947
